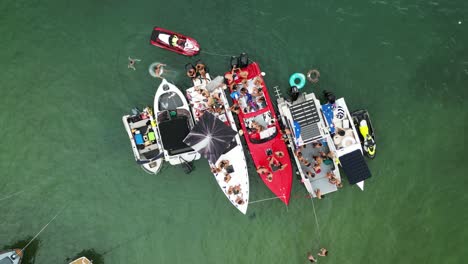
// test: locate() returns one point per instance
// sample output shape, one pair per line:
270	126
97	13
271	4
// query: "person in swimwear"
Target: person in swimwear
158	70
310	257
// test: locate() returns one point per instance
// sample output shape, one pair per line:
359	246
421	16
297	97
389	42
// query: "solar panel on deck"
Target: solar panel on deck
307	116
355	167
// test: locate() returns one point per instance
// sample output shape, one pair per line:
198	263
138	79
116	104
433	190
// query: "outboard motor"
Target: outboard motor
329	96
294	93
243	60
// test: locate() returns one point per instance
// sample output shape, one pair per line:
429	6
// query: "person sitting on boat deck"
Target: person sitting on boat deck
338	184
279	154
257	82
317	168
310	174
257	91
227	178
261	102
230	190
318	159
191	71
237	189
319	194
215	170
275	164
239	200
238	73
201	69
316	145
235	108
235	94
223	164
256	127
284	135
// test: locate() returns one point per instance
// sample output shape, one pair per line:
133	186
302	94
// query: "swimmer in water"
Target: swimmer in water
132	62
158	70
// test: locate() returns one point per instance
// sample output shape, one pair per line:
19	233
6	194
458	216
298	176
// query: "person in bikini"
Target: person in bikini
158	70
227	178
279	154
275	164
237	189
235	108
223	164
191	71
265	172
239	200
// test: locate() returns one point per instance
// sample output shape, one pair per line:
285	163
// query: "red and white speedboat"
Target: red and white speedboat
262	131
173	41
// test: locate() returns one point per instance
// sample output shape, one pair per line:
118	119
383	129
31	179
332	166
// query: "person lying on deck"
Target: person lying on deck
239	200
235	108
201	70
262	171
275	164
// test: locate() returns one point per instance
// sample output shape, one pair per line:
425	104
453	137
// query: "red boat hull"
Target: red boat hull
282	179
162	38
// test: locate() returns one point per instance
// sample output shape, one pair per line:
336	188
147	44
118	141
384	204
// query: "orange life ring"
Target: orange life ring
313	76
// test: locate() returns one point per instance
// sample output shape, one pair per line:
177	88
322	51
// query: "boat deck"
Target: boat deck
320	180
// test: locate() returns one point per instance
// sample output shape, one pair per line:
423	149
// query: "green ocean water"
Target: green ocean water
65	86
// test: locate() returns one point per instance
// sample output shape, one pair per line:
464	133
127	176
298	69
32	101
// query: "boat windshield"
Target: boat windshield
170	101
6	260
261	128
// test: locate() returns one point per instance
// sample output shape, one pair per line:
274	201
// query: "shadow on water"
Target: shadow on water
252	216
90	254
29	253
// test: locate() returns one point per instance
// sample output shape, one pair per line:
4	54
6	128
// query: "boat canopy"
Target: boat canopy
355	167
173	133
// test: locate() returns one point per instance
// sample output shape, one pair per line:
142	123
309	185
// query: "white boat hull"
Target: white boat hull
150	166
164	88
235	156
10	257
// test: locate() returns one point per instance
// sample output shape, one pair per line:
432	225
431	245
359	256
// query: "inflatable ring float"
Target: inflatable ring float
152	69
313	76
297	76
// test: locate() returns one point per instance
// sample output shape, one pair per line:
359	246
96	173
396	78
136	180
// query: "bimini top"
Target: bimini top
178	129
355	167
307	117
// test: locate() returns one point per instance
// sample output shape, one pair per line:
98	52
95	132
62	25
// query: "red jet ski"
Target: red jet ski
173	41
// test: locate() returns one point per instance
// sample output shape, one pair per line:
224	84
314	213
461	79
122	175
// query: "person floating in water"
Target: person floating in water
132	62
158	70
